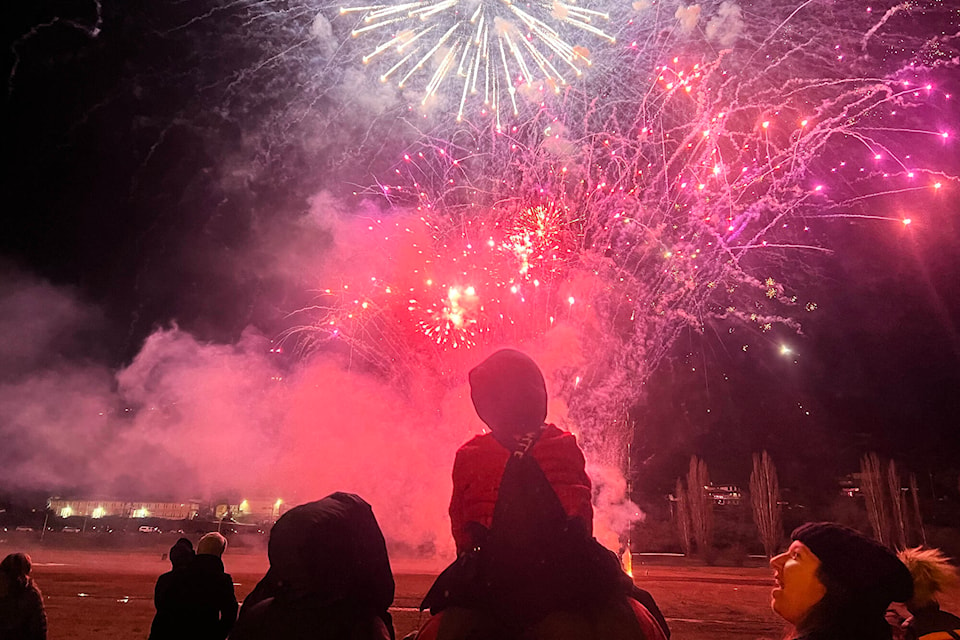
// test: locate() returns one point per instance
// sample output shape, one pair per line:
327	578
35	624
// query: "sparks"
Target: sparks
492	49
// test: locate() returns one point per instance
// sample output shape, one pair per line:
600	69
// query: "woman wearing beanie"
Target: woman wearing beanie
932	575
181	554
835	584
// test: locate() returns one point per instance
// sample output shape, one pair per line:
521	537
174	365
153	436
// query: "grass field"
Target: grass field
108	595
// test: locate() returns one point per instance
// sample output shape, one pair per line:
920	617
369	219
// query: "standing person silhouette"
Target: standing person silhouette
21	604
181	554
197	602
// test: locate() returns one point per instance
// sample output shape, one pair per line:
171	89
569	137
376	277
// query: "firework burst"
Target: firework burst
452	283
673	195
491	47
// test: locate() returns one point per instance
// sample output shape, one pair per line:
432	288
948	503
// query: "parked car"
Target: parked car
146	529
23	528
71	529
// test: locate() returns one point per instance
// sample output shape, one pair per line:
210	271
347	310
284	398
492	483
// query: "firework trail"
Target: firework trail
493	41
681	182
673	187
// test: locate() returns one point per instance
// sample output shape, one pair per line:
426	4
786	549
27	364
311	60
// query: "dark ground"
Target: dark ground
107	595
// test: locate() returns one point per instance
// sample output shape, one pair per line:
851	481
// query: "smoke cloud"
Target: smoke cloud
189	418
725	27
688	17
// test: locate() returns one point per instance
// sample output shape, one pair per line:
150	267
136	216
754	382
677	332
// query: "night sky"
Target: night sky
154	180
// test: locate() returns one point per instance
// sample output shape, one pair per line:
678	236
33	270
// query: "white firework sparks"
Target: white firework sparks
491	46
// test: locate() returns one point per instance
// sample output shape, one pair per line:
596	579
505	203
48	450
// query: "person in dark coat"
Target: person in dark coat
835	584
933	575
196	600
329	577
21	604
181	555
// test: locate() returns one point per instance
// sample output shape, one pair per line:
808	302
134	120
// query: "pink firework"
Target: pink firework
685	183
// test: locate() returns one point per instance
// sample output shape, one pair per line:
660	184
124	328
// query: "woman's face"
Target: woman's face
798	587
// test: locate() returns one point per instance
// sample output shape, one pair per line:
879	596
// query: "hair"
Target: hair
841	614
212	544
932	574
16	568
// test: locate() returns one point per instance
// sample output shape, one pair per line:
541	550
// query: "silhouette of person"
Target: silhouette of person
329	577
195	600
21	604
181	554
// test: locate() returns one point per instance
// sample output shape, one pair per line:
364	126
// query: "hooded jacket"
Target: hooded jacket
522	520
478	469
329	577
195	601
510	395
930	620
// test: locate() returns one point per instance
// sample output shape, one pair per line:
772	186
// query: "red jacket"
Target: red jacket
479	466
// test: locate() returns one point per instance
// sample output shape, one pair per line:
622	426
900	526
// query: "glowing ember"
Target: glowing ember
665	192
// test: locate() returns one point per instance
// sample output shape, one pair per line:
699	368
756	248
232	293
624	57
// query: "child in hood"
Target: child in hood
510	396
522	519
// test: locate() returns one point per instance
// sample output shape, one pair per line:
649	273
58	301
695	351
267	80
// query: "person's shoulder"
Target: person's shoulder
927	622
378	629
553	434
204	565
556	446
553	431
480	442
256	622
32	593
227	579
172	582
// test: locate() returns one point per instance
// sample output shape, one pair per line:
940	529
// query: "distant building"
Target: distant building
850	485
724	494
253	510
91	508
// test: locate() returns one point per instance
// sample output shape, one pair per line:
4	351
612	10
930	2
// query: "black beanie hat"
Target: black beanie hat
509	393
871	575
181	553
